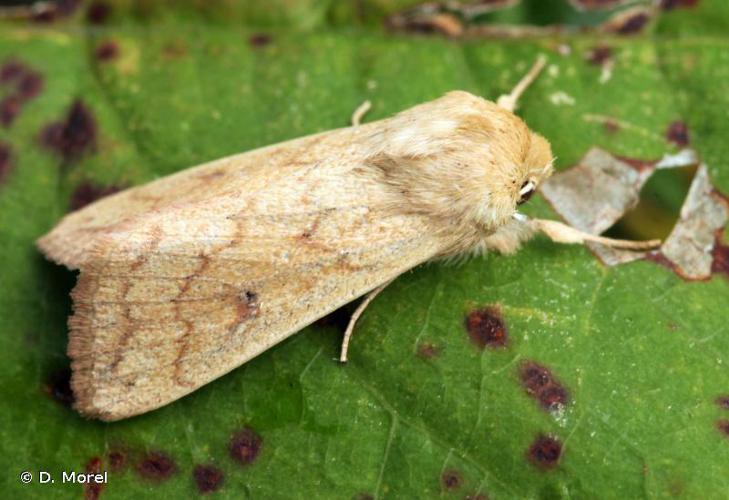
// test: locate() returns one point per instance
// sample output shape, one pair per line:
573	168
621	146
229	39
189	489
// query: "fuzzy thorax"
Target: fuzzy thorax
462	161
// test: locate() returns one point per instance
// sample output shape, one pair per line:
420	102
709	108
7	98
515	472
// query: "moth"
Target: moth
188	277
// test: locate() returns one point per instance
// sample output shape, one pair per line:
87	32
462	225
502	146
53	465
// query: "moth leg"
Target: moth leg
562	233
355	316
359	113
508	101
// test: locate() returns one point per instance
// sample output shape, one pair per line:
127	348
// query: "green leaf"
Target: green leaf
420	410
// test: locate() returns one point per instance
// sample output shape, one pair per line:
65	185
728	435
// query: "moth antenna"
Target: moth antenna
355	316
562	233
509	101
359	113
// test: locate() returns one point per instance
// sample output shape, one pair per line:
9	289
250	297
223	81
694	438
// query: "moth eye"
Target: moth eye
526	192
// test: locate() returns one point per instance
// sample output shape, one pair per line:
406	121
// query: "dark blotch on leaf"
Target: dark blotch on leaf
74	136
30	85
207	478
27	84
723	402
600	55
486	327
106	51
260	40
451	480
11	70
553	397
9	109
87	193
723	426
58	387
156	466
245	446
98	12
92	490
677	133
676	4
6	161
541	384
545	452
117	459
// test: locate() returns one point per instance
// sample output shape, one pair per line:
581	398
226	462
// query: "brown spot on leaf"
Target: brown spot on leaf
628	22
156	466
207	478
245	446
677	133
26	85
486	327
92	489
678	4
98	12
30	85
117	459
74	136
723	402
11	70
545	452
58	387
6	161
600	55
259	40
723	426
106	51
451	480
428	350
9	109
541	384
87	193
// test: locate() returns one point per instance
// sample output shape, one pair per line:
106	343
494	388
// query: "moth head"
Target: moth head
537	167
464	161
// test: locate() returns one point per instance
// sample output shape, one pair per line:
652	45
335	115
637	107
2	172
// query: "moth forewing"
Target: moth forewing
186	278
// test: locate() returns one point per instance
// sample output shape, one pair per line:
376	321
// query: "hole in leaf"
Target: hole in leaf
659	207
